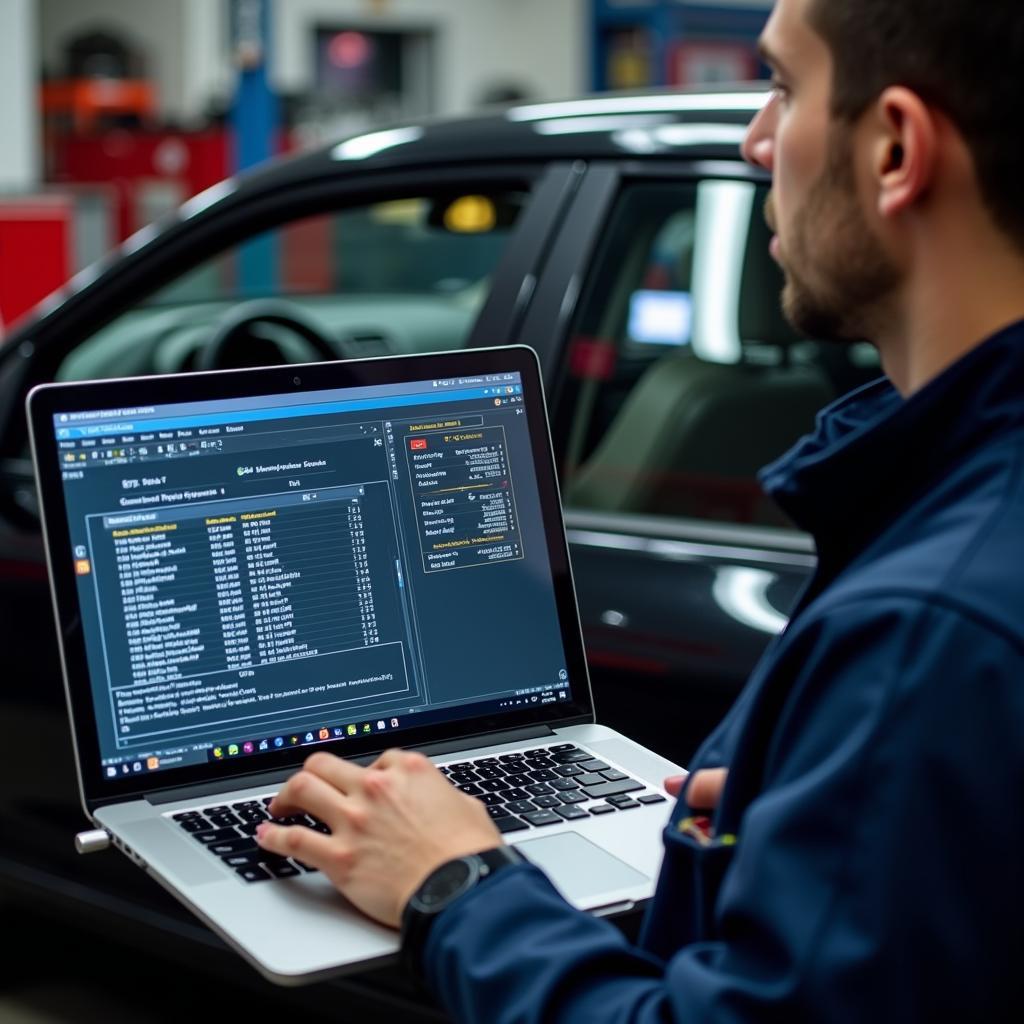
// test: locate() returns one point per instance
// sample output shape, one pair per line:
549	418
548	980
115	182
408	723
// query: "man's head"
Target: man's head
871	97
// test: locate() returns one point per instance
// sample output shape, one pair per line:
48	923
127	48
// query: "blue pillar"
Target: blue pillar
254	128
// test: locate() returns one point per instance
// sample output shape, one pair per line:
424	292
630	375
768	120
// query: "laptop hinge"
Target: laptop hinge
275	778
490	739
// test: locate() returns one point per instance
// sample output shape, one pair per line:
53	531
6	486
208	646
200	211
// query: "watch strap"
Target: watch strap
416	922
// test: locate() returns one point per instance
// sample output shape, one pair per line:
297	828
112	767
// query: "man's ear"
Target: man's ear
904	150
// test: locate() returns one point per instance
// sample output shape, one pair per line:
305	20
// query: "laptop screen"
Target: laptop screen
288	570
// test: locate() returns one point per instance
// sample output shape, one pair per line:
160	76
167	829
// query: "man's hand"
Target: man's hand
391	825
705	790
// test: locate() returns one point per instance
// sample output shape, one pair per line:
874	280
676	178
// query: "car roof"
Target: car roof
702	124
706	123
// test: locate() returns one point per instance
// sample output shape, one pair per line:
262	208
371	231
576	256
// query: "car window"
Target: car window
683	378
399	276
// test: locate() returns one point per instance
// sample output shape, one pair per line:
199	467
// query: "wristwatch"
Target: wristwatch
439	890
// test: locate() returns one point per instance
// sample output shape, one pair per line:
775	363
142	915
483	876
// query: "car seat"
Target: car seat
692	433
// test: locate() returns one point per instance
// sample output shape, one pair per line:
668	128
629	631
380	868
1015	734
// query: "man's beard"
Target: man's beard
837	272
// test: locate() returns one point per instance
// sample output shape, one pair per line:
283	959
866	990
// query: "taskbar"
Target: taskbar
377	723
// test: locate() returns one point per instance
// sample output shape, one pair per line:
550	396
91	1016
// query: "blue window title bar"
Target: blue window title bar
280	413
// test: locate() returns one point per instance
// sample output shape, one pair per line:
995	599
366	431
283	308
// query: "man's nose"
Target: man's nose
758	143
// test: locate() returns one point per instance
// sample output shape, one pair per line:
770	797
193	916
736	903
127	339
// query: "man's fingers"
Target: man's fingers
313	848
341	774
673	784
706	788
308	792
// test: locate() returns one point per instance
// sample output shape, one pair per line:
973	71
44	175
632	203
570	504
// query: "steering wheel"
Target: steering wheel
241	338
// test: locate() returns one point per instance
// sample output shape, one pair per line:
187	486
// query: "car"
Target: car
621	236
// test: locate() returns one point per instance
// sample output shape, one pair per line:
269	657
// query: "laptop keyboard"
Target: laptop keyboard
546	786
228	831
522	790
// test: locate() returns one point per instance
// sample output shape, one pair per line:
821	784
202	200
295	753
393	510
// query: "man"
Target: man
865	858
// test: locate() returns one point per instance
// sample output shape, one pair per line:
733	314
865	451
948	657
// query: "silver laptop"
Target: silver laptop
248	566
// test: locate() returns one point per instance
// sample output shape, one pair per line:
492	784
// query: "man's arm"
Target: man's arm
856	886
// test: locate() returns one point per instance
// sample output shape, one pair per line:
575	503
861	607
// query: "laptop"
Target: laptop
248	566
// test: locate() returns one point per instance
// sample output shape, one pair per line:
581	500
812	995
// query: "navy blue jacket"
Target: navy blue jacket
876	759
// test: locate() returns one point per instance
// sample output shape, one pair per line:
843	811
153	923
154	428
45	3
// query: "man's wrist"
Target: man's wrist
439	890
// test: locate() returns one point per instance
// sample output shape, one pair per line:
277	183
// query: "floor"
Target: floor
52	974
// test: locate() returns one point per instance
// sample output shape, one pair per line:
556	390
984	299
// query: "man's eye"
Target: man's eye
780	89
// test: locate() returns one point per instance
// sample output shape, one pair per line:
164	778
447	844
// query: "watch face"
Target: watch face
443	883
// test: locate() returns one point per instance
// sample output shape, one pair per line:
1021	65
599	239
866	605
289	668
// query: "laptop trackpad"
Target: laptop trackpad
579	870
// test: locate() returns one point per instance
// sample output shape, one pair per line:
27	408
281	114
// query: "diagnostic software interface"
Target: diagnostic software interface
286	570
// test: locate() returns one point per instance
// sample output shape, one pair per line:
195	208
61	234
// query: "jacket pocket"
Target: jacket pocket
682	910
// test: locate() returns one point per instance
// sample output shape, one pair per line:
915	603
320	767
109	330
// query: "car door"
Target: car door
674	379
383	263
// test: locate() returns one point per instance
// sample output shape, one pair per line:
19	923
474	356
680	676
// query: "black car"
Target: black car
622	238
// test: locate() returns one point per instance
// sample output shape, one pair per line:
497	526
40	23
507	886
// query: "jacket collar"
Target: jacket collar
873	452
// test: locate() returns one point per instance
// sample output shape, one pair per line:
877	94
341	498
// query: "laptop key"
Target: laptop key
625	805
233	846
495	785
542	775
491	799
602	809
568	771
614	775
540	818
490	772
219	809
511	824
519	780
571	756
506	758
571	813
486	762
573	796
651	798
538	789
216	836
498	812
254	873
182	815
283	869
224	820
535	764
559	747
521	806
547	801
471	789
564	785
594	766
516	793
195	825
241	860
538	752
607	789
590	779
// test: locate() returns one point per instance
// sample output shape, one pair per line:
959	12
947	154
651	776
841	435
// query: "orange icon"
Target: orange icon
82	566
152	763
418	444
324	734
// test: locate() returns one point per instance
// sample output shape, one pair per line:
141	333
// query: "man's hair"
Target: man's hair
963	57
